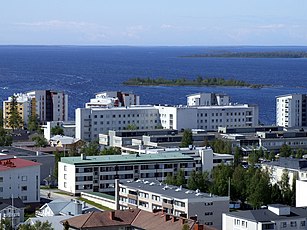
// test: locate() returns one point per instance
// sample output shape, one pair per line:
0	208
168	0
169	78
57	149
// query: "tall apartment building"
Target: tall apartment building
150	195
113	99
90	122
46	104
19	178
98	173
291	110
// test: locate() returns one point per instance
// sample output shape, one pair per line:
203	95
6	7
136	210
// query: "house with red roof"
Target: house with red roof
19	178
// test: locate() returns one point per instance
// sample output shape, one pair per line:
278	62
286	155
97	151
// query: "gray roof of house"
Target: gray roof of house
17	203
54	220
168	190
265	215
290	163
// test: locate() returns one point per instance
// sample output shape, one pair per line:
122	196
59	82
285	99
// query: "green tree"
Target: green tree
239	184
272	156
285	187
185	227
199	180
238	156
299	153
276	196
57	130
5	224
180	178
111	151
285	151
187	138
40	141
38	225
1	118
259	189
33	123
220	179
253	158
170	179
293	191
14	120
91	149
66	225
57	159
221	146
5	138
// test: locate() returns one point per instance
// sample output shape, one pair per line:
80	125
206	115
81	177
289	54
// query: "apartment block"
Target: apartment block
46	104
90	122
291	110
19	178
150	195
98	173
207	99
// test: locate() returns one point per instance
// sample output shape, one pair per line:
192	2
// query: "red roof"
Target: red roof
15	163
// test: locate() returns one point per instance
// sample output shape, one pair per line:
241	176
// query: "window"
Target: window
24	198
303	223
24	188
65	176
154	197
65	184
65	167
283	224
293	223
24	178
1	179
1	189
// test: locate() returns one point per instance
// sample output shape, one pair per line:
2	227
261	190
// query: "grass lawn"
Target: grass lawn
95	204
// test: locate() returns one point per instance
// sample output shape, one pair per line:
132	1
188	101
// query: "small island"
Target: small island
275	54
199	81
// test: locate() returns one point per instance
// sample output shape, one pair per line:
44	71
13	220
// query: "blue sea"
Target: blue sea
82	71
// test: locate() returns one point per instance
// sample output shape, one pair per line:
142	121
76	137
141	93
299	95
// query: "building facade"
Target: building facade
98	173
90	122
291	110
46	104
276	217
152	195
19	178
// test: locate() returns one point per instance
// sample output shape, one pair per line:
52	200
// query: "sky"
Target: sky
154	23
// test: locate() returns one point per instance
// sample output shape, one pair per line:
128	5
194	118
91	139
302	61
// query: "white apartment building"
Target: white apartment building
150	195
90	122
293	166
291	110
113	99
98	173
50	105
204	157
275	217
47	105
19	178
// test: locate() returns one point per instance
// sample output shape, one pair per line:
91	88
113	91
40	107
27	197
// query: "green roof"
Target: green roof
124	159
103	195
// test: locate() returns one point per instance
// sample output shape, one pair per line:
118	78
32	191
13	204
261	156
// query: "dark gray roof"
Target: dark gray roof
167	190
17	203
290	163
265	215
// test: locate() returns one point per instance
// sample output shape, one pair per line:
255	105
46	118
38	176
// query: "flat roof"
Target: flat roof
265	215
171	191
118	159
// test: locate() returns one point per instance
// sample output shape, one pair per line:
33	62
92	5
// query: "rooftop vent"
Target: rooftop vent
152	183
179	189
189	192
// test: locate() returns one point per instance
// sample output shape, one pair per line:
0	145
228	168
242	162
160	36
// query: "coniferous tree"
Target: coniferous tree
14	120
187	138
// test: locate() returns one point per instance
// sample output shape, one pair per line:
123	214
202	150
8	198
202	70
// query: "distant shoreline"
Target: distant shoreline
275	54
199	81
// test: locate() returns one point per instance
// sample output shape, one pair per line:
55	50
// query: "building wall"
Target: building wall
67	177
301	191
289	110
234	223
21	182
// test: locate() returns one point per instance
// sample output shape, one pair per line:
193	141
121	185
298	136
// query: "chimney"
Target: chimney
166	217
198	227
182	221
112	215
83	156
